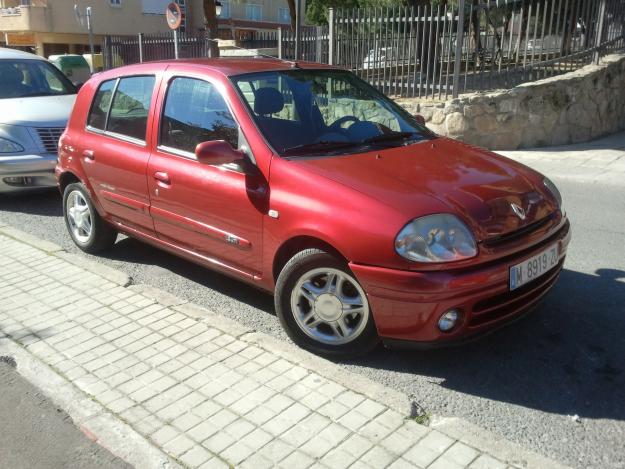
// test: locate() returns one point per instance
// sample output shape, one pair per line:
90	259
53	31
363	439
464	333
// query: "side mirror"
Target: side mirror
217	152
420	119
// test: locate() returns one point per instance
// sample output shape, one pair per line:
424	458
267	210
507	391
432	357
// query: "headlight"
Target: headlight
554	191
436	238
9	146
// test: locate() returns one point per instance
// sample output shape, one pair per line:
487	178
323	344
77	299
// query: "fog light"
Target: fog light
18	181
449	320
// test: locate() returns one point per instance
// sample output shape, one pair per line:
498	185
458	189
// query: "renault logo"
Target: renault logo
518	211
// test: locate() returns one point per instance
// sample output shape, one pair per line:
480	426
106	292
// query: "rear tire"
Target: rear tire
84	224
322	306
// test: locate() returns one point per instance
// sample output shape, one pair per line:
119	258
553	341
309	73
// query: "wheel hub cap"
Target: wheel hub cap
328	307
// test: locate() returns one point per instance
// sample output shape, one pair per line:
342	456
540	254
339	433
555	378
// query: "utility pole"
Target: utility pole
87	15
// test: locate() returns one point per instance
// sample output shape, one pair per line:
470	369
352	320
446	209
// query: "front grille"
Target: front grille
497	307
50	137
498	240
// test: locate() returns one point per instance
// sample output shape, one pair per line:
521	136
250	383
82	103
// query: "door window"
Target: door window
100	106
195	112
130	107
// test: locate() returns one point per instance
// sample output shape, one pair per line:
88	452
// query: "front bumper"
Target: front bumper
25	172
407	305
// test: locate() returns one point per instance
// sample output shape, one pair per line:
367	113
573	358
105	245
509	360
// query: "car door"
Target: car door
215	212
115	152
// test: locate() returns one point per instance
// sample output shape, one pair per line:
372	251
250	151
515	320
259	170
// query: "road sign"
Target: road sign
173	14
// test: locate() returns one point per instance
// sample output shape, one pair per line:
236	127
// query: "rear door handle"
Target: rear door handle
162	177
89	154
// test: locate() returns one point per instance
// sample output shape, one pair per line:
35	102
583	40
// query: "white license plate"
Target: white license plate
532	268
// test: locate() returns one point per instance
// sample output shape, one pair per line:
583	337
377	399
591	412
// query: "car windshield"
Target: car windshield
27	78
324	112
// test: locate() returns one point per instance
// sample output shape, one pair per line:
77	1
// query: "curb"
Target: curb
111	432
97	423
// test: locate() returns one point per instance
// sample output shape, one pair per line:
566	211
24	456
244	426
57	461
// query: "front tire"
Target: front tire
86	227
322	306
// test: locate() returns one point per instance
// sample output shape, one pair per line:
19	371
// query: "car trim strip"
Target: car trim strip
125	201
199	227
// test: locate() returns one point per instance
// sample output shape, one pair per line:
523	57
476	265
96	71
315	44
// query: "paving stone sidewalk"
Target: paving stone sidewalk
199	392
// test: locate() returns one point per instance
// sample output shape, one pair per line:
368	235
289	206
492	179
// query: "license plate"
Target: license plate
534	267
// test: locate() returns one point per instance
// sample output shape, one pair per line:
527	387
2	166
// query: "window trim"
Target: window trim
116	135
183	153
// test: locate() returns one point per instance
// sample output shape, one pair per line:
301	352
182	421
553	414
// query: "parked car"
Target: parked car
362	222
35	102
73	66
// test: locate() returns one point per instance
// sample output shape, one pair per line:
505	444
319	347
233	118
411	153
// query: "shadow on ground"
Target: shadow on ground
44	202
611	142
137	252
568	357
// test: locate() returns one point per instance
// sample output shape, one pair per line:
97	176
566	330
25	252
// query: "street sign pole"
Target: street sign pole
175	43
173	15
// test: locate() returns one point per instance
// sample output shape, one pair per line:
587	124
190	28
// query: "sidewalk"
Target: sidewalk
162	383
601	161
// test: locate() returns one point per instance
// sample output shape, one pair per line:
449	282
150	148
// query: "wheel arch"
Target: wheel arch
67	178
296	244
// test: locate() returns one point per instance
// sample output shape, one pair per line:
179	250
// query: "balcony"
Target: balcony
32	18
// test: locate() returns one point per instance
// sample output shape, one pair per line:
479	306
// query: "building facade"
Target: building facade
49	27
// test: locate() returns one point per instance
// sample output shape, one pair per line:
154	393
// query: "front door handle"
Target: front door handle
162	177
89	154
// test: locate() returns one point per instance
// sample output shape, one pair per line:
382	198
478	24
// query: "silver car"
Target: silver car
36	100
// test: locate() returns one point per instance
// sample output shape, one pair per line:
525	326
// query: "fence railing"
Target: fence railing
125	50
438	52
430	52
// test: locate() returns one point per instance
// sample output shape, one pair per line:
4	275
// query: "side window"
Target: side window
130	107
100	105
195	112
274	96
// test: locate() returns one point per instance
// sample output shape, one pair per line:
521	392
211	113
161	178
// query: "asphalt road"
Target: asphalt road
553	382
35	434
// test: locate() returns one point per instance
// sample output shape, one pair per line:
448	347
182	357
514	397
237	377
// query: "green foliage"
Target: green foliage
317	10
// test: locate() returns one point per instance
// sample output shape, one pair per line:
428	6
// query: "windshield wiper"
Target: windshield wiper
326	145
389	137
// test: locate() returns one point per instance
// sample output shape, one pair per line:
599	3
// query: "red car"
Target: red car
303	180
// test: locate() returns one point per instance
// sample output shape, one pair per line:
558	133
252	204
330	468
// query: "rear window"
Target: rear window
131	103
101	104
125	112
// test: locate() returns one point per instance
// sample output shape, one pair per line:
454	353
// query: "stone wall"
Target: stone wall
570	108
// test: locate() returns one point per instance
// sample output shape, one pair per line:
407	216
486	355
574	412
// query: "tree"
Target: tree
210	23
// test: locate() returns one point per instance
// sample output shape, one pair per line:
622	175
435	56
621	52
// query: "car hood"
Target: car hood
38	111
477	185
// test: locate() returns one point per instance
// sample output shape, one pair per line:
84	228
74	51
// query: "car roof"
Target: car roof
17	54
227	66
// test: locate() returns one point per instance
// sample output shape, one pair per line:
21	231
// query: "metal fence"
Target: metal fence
430	52
314	44
438	52
125	50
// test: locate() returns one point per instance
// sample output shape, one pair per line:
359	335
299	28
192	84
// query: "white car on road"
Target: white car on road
36	100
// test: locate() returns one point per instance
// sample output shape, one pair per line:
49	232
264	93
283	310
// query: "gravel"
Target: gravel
552	382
